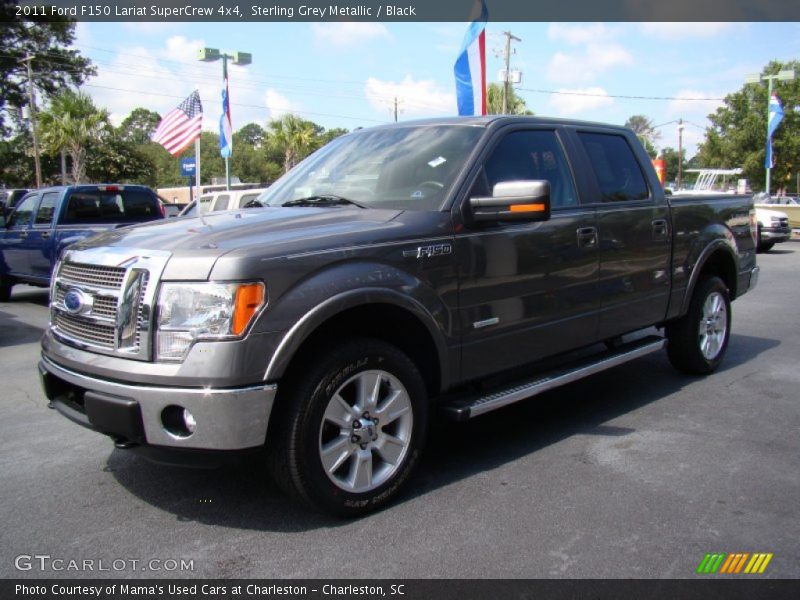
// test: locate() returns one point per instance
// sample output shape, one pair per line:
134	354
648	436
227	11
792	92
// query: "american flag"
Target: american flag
180	126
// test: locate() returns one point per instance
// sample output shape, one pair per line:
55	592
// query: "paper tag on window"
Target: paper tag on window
437	161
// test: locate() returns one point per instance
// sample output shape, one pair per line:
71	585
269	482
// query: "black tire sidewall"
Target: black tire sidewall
684	342
343	363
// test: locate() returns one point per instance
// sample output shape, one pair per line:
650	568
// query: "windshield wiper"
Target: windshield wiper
323	200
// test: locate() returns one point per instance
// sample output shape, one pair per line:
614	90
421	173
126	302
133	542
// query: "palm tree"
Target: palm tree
72	123
296	137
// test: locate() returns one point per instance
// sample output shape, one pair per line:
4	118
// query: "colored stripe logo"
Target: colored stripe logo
734	563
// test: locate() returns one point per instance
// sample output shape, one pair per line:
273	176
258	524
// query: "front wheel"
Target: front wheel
350	429
697	342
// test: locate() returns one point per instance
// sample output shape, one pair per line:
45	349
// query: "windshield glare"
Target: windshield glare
406	168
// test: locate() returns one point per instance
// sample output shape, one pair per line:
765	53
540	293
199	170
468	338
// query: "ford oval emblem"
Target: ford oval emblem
74	301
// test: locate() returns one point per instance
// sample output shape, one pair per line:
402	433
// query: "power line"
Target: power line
627	97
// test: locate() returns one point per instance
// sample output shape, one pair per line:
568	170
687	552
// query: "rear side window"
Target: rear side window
22	215
47	209
221	203
123	206
616	169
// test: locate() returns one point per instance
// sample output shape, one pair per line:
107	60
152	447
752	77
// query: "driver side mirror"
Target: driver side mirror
514	201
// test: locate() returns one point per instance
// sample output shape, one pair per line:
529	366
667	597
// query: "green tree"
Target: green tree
139	126
116	160
251	134
738	132
294	136
55	65
670	156
643	128
73	123
494	101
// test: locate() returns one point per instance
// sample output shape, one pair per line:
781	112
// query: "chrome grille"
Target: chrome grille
99	276
83	330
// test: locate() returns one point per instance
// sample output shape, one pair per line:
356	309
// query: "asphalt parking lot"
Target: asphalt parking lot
636	472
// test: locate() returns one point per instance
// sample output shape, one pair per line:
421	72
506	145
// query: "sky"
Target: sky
348	74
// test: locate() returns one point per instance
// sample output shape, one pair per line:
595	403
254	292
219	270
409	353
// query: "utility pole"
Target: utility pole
507	78
680	152
32	110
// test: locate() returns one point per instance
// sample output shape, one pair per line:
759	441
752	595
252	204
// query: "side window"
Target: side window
618	173
532	155
47	209
221	203
22	215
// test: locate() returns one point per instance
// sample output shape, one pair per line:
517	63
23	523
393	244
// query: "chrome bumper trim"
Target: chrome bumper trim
227	419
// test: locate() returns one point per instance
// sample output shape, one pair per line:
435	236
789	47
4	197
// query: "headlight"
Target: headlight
203	311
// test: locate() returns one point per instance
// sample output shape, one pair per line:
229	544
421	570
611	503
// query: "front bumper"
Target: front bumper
776	234
226	419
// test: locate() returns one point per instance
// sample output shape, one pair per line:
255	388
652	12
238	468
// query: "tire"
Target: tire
762	246
326	448
696	343
5	288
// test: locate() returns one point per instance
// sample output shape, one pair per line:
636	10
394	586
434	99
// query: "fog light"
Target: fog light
178	421
188	420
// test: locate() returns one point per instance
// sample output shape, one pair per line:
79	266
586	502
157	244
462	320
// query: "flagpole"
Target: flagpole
225	83
769	141
197	171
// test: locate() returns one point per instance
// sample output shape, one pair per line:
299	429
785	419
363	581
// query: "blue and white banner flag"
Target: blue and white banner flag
470	67
775	118
225	123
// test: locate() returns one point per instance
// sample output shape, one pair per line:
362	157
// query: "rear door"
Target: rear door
16	245
41	235
633	222
527	289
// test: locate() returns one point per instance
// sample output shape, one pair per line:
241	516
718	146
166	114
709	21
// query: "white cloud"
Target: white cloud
348	34
569	102
416	98
179	48
682	31
579	34
585	66
277	104
694	102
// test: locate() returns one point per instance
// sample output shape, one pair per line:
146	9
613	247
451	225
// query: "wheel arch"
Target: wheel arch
716	259
383	314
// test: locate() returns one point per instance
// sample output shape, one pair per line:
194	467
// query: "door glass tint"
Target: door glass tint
47	209
615	167
22	216
123	206
533	155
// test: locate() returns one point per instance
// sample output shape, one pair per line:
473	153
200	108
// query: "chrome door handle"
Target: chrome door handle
587	237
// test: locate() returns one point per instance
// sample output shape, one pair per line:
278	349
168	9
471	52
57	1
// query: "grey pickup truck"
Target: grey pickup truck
394	272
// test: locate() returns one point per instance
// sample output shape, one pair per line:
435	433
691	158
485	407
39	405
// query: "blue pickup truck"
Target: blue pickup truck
47	220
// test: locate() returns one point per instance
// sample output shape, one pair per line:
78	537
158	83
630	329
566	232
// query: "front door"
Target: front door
15	243
527	290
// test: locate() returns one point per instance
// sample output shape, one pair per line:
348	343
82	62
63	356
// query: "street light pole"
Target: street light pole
32	109
238	58
785	75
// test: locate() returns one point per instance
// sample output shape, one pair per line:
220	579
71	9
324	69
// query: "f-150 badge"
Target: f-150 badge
429	251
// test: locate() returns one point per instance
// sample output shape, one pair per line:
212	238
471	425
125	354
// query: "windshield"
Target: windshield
406	168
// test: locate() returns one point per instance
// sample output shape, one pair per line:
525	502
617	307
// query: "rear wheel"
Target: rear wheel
697	342
350	430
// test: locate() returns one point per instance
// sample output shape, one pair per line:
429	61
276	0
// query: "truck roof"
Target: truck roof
495	120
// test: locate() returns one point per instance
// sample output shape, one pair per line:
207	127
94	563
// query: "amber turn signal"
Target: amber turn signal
527	207
249	299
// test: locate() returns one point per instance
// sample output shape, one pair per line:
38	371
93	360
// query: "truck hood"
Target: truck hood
220	232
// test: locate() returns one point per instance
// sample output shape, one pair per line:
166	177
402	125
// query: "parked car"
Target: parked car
789	206
773	225
48	220
9	198
217	201
457	265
